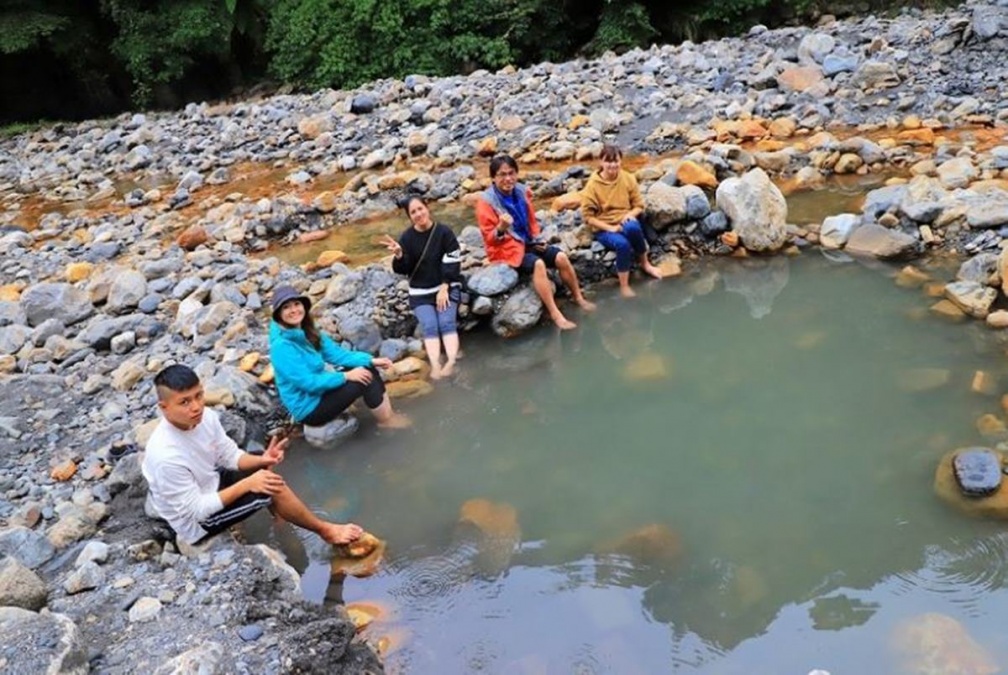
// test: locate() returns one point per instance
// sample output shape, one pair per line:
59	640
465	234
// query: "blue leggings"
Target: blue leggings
434	323
628	244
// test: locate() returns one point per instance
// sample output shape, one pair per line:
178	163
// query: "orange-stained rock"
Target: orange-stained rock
782	128
991	426
363	614
911	122
947	488
984	383
222	397
691	173
800	78
566	202
249	361
730	238
770	145
653	544
344	564
267	374
328	258
911	277
325	202
749	129
487	147
922	136
314	235
936	644
646	367
578	121
64	471
934	289
670	266
947	309
78	271
10	292
411	367
408	388
497	519
363	546
192	237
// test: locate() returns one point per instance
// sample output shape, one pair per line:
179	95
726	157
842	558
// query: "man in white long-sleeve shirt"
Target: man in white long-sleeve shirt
183	466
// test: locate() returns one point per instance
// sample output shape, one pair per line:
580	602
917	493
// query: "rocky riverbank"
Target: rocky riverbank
134	242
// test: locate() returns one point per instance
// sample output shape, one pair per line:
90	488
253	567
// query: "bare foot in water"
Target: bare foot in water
448	369
653	271
396	421
437	372
587	305
627	292
334	533
563	323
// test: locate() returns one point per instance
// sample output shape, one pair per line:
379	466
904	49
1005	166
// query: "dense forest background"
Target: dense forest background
76	59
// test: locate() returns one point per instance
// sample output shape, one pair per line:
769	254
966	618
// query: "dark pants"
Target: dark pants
236	511
337	400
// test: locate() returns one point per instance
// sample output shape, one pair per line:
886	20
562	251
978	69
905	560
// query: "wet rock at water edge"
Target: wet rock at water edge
978	471
331	434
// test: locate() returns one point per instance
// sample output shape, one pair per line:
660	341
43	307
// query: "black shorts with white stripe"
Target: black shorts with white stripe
236	511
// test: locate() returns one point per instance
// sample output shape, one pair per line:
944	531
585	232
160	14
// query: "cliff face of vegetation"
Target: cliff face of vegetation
64	59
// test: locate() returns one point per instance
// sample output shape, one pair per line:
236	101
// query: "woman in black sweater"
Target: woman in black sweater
429	254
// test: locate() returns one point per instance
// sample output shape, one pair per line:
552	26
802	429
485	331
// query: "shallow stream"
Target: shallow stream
730	474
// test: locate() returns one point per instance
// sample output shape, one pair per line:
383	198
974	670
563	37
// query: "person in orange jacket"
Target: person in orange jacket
510	230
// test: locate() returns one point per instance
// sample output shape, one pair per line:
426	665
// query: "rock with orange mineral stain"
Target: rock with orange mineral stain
730	238
936	644
64	472
653	544
314	235
566	202
646	367
360	558
249	361
408	388
363	614
192	237
497	533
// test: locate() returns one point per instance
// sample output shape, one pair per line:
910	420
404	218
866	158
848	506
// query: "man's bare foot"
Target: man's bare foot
448	369
334	533
563	323
396	421
653	271
627	292
587	305
436	372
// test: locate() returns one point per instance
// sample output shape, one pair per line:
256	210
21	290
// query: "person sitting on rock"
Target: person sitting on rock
510	231
307	367
429	254
611	204
201	482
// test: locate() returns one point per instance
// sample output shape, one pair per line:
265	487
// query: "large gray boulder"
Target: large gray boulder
520	311
20	587
40	643
29	547
756	209
493	280
56	300
664	204
879	242
126	291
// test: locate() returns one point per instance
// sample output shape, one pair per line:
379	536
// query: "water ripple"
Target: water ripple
964	572
434	580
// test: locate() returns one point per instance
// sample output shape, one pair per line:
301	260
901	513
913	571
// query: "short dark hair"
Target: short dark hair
500	160
610	152
175	378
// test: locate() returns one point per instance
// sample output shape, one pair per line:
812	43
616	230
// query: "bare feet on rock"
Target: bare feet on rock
653	271
627	292
336	534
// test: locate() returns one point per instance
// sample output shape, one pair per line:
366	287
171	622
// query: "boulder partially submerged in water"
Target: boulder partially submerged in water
969	478
936	644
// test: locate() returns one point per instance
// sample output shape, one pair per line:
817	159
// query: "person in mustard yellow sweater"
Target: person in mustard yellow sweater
611	203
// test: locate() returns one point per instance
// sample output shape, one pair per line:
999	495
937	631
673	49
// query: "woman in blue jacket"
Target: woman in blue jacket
317	379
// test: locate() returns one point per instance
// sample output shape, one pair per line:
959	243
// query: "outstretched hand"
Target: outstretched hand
391	244
381	362
275	451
